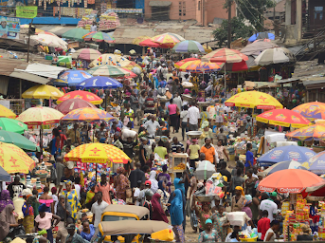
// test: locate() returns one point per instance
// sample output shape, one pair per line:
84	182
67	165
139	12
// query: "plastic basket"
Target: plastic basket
248	239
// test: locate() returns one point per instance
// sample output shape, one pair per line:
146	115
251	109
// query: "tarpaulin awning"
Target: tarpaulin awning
160	3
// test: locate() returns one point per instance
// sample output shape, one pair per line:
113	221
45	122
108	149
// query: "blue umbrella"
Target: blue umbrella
261	35
100	82
317	164
72	77
286	153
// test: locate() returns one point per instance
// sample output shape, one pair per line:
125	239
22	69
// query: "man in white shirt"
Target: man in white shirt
93	27
193	118
98	208
269	205
151	126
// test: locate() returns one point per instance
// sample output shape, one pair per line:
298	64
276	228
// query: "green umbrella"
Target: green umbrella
107	70
18	140
75	34
12	125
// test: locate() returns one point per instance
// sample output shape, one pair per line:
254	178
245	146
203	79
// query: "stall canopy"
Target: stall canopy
42	70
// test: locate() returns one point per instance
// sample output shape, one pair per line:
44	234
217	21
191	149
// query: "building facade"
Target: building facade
203	11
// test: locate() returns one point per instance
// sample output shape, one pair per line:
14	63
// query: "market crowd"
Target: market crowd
160	108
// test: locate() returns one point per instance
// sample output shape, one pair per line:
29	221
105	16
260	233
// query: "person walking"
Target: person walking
193	117
98	208
176	215
104	187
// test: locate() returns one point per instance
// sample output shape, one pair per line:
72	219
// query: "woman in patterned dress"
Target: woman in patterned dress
218	225
121	183
72	198
209	234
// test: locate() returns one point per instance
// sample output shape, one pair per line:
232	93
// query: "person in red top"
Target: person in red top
63	137
263	224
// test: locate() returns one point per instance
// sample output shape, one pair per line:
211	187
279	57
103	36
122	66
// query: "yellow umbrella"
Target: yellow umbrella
40	116
14	159
42	92
207	48
139	39
97	153
254	99
5	112
110	59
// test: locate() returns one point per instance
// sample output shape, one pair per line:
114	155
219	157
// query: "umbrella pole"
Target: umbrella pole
225	77
41	144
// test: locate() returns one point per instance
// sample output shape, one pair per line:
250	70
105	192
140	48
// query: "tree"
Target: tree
253	11
238	29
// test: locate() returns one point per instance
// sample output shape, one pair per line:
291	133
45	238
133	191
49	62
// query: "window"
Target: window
199	6
180	9
184	9
318	12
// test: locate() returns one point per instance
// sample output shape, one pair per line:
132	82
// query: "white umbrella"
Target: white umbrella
275	56
50	40
205	170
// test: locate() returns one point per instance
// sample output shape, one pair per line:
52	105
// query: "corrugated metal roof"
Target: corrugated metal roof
58	30
125	34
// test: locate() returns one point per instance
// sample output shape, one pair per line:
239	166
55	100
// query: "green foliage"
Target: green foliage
253	11
238	29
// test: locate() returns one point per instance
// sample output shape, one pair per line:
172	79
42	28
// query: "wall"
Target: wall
194	10
317	19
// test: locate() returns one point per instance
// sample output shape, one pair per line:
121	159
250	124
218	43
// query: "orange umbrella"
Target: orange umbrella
84	95
290	180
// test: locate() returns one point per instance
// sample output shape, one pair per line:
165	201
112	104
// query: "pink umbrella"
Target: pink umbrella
68	105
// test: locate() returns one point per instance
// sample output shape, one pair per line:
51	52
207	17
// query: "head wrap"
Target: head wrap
91	185
5	199
42	208
186	91
205	124
239	188
120	170
164	167
248	199
54	190
68	182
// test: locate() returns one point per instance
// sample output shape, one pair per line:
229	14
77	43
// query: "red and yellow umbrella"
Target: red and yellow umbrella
5	112
14	159
312	110
97	153
40	116
84	95
225	55
254	99
313	132
167	39
284	118
87	114
180	63
200	67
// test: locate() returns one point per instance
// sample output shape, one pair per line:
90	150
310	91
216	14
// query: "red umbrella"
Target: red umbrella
225	55
236	67
290	180
132	74
149	43
68	105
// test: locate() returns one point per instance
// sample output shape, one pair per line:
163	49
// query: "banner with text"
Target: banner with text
9	27
28	12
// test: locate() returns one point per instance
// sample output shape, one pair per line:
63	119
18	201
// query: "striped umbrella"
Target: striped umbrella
180	63
107	70
169	39
188	46
313	132
87	54
87	114
98	36
136	41
225	55
200	67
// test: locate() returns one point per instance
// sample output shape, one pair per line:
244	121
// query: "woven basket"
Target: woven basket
240	151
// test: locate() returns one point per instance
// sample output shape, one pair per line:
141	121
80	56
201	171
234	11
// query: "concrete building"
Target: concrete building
203	11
